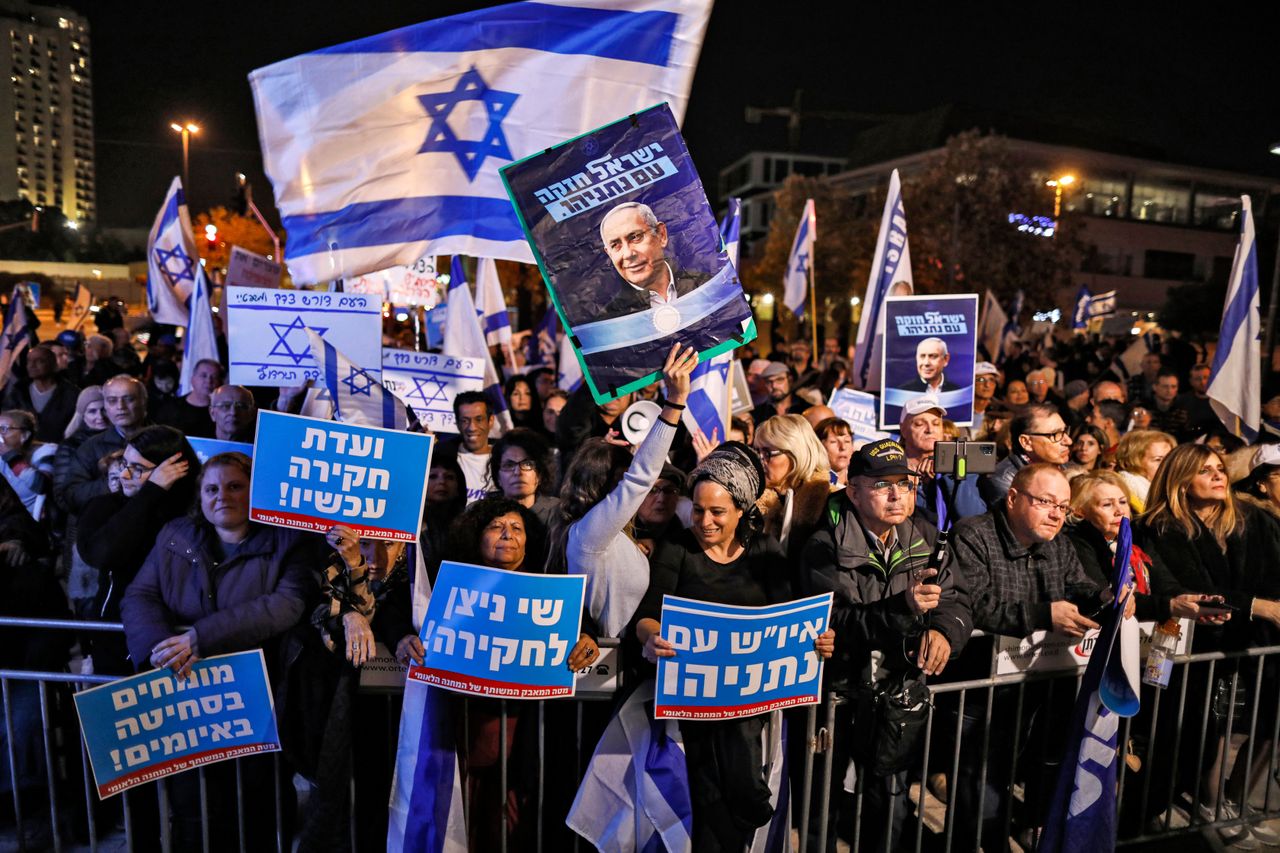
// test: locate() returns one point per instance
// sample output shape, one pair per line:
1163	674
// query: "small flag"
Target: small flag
199	342
358	397
569	369
795	281
464	337
991	327
16	336
707	408
731	230
1102	304
1080	315
171	259
80	307
1235	383
890	276
491	305
1011	328
541	347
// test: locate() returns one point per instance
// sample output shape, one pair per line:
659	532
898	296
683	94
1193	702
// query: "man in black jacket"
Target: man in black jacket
873	555
636	243
51	398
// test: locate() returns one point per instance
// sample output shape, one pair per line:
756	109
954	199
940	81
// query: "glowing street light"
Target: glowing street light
1057	184
186	129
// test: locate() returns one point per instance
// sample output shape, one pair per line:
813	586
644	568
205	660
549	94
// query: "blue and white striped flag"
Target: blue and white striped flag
731	230
491	305
569	369
795	281
1235	383
171	259
1102	304
890	267
17	336
464	337
358	396
386	149
1080	314
199	342
707	408
542	342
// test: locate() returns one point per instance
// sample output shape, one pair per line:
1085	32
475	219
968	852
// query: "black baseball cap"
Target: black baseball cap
878	459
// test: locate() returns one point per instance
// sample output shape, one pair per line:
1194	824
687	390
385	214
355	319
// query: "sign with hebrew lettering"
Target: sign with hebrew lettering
249	269
859	410
267	333
311	474
154	724
630	250
490	632
929	346
413	285
429	381
733	661
1044	651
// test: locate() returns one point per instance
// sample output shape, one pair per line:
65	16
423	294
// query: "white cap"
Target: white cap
919	406
985	368
1267	454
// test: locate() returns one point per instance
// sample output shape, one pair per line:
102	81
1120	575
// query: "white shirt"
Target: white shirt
475	467
656	298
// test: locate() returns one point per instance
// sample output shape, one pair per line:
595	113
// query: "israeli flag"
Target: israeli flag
569	369
199	341
386	149
731	230
890	265
491	305
1235	383
1103	304
358	397
991	327
795	281
1080	314
707	408
464	337
1011	328
171	260
16	338
543	340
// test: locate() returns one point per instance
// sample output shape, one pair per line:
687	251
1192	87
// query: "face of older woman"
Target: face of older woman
1153	457
777	464
1209	485
839	450
224	498
715	518
1105	508
95	415
517	473
1085	449
12	436
502	542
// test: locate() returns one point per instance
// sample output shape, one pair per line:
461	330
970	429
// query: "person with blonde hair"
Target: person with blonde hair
797	479
1138	457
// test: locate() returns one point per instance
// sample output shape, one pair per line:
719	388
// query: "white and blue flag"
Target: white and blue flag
569	369
1102	304
464	337
1235	383
16	338
386	149
890	266
1080	313
795	281
358	396
171	260
991	326
731	230
199	342
707	407
491	305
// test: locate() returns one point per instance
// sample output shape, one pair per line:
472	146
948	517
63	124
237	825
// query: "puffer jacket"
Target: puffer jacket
870	610
256	595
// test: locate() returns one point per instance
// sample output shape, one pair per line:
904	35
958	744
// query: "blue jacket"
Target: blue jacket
259	593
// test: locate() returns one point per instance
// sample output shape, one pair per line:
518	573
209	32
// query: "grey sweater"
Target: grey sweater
617	570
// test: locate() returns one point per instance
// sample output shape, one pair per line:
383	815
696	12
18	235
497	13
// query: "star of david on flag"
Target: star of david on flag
301	349
357	397
795	283
171	260
440	106
424	392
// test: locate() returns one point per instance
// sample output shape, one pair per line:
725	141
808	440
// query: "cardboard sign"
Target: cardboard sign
414	285
428	382
1046	652
929	351
630	250
736	661
267	333
249	269
310	474
151	725
503	634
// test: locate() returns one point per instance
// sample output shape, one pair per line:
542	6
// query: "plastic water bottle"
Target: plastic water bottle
1160	658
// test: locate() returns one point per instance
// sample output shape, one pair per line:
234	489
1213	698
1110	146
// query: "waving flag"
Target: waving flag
16	336
199	342
1102	304
492	308
171	260
731	230
80	306
707	409
795	281
463	336
358	397
1235	384
1080	314
991	326
542	342
890	267
1011	328
386	149
569	369
1082	815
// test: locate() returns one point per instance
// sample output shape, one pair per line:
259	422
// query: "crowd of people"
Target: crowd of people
108	514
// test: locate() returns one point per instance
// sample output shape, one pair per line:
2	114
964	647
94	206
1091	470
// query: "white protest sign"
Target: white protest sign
249	269
859	409
267	336
740	391
412	285
1043	651
428	382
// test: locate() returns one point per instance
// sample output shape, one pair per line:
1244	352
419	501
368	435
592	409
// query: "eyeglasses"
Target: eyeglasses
635	238
664	491
1054	437
990	380
5	429
225	407
903	487
510	466
1047	504
767	453
136	469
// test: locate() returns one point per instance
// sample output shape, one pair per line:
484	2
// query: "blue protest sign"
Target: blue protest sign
489	632
311	474
630	250
929	346
154	724
734	661
267	333
207	448
859	409
428	382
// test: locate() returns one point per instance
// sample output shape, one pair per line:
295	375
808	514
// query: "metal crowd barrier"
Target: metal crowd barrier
1149	808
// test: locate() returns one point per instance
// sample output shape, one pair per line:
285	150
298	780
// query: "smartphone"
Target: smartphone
976	457
1215	608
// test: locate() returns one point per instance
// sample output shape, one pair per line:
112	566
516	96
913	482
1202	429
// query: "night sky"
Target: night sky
1201	87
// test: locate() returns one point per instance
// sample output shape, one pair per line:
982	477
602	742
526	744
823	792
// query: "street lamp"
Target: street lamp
1057	184
186	129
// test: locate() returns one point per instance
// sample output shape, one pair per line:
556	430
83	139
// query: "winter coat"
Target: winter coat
58	411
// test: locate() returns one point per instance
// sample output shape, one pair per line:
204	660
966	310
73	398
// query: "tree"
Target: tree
233	230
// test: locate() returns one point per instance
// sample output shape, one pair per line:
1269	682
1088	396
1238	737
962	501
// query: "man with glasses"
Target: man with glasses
873	555
986	376
636	244
80	481
1037	434
234	413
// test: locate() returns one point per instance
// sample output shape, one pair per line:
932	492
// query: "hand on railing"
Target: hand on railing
1068	620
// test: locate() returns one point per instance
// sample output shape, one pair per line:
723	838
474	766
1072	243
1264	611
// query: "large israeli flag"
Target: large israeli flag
1235	383
731	230
386	149
171	259
795	281
199	342
463	336
890	266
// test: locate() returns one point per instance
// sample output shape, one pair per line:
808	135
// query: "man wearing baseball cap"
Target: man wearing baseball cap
782	400
986	376
921	429
873	555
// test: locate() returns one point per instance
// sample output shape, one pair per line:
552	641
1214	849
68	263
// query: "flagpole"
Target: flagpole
813	300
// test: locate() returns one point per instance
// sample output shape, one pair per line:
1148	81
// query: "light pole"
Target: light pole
186	129
1057	184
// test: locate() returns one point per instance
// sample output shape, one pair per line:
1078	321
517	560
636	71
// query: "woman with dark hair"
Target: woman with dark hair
240	586
117	530
1089	448
446	497
723	557
523	402
520	465
837	437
